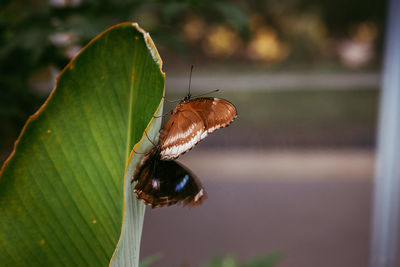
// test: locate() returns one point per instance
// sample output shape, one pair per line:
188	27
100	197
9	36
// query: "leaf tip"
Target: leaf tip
150	45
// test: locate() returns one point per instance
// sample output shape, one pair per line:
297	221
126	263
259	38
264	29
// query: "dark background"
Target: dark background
38	38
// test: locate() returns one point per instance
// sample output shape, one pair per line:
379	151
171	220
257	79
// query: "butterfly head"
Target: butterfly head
186	98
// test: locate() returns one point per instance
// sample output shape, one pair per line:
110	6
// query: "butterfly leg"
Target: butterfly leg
143	153
140	153
149	138
163	115
171	101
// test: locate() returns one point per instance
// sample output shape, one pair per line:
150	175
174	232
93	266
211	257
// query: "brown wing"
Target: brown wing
215	112
192	121
183	130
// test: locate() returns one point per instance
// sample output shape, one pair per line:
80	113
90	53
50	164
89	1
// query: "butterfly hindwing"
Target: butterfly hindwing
163	183
191	121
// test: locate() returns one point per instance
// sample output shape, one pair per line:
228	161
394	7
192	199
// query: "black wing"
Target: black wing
164	183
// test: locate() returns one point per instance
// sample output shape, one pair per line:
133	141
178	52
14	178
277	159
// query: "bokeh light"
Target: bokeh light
221	41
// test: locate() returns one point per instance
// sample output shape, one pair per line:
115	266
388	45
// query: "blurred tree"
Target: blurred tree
39	37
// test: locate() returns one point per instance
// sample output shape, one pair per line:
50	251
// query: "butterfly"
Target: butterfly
166	182
161	181
191	121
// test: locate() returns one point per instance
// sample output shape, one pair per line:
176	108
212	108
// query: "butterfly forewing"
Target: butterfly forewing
163	183
215	112
191	121
181	133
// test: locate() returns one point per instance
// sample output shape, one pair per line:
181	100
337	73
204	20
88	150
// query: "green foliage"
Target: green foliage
62	191
149	260
27	46
235	15
270	260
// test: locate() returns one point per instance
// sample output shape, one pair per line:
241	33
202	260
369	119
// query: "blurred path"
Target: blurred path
202	82
312	205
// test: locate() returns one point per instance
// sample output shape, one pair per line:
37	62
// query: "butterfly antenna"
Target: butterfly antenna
210	92
190	80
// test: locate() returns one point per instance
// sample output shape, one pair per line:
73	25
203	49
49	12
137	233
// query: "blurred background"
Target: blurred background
291	178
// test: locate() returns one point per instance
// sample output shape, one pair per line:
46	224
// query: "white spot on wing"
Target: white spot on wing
180	135
199	195
176	150
155	183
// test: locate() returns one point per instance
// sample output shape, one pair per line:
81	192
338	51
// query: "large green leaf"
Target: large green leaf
127	251
62	189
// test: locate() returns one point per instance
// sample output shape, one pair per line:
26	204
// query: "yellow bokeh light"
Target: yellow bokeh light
221	41
194	28
365	32
266	46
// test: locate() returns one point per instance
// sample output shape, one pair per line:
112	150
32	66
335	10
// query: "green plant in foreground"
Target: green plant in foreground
229	260
65	193
150	259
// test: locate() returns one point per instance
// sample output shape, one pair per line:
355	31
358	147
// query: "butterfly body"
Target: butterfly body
191	121
166	182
